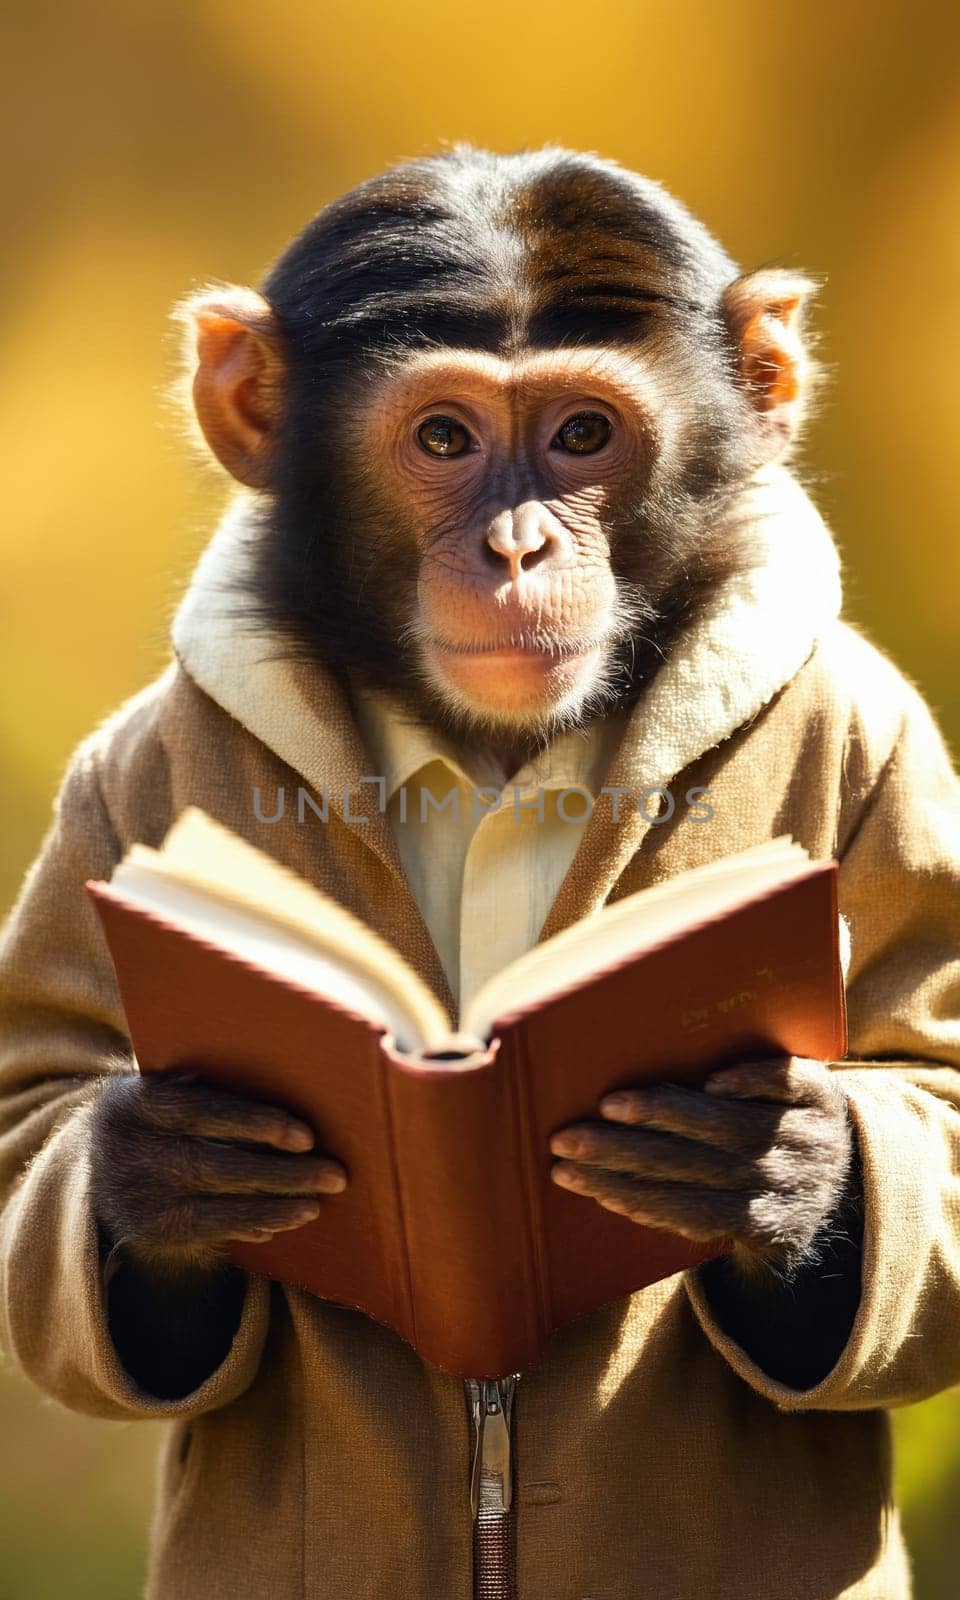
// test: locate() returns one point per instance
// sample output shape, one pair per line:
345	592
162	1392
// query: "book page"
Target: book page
629	926
221	888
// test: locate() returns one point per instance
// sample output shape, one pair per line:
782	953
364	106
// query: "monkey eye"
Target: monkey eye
443	436
584	434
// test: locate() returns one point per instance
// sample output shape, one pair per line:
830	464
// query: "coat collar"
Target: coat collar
754	636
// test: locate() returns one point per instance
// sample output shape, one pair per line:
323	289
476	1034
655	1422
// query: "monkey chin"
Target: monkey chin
514	687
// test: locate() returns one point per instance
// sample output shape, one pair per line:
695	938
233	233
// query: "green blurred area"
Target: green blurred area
149	147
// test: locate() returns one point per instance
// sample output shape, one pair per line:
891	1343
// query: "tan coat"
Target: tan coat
655	1461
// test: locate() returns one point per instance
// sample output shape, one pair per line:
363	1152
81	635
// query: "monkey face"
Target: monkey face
496	410
511	477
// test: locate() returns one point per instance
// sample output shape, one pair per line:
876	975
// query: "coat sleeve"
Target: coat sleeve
61	1029
900	892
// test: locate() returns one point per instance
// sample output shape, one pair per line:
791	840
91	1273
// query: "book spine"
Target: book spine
408	1325
463	1201
533	1161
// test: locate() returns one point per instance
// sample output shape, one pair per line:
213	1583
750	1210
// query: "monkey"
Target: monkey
359	320
494	421
556	459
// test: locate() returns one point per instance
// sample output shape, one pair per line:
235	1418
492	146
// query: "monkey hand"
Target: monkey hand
179	1169
759	1156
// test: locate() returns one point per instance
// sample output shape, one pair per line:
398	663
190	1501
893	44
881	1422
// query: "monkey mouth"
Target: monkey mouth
515	679
519	647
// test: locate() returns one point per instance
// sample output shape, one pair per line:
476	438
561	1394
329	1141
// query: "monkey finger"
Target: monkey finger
184	1105
672	1108
646	1154
696	1213
207	1166
252	1219
786	1080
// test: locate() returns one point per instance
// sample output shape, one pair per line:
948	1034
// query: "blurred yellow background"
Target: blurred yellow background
150	146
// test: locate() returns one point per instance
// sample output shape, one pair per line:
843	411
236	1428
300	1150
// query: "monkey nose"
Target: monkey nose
520	538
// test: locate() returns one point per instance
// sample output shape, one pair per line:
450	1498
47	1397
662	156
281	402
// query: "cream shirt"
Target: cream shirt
484	854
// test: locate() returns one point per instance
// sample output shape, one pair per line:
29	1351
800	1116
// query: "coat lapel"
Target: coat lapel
296	708
758	631
755	636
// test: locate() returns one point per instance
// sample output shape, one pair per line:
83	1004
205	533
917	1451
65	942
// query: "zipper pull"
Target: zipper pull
491	1404
479	1416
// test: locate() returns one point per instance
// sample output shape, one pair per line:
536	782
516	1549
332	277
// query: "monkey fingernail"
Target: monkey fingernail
298	1136
566	1177
566	1144
621	1107
332	1182
307	1213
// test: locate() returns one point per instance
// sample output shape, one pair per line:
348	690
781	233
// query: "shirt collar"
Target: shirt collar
401	746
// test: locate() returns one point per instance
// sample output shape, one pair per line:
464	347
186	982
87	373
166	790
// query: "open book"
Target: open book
450	1230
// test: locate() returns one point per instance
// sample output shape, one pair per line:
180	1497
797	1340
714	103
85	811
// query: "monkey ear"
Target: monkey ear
764	314
234	355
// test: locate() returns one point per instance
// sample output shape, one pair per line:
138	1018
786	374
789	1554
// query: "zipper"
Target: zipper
491	1487
491	1475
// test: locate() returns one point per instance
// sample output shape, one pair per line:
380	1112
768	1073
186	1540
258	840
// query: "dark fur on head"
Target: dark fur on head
504	254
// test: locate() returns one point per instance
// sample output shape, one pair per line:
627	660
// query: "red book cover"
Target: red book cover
450	1229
